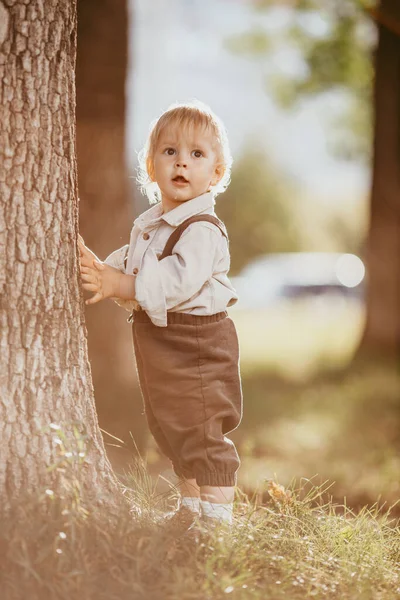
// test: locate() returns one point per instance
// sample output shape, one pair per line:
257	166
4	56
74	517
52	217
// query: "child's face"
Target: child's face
185	164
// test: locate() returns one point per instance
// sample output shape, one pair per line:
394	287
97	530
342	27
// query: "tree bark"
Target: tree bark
106	214
45	373
382	331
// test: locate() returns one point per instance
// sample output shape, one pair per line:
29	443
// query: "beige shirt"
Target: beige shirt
194	279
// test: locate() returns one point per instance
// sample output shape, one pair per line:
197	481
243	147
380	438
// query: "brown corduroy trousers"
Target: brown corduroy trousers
190	382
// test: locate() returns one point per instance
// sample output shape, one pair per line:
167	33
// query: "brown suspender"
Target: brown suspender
176	234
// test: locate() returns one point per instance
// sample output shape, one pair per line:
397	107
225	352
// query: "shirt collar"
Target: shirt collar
177	215
187	209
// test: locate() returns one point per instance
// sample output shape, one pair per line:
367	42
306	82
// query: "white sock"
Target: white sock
219	512
192	503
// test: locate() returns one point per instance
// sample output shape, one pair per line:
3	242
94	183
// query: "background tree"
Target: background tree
382	330
333	42
271	224
45	373
106	209
339	57
266	212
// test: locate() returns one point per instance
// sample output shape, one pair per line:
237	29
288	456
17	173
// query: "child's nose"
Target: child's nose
181	163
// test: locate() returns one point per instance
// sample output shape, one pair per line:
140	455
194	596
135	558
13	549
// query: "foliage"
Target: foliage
292	545
334	40
289	541
258	209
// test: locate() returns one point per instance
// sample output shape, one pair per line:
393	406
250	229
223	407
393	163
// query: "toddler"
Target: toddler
172	277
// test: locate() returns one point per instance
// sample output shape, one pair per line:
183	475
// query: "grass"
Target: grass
342	426
306	412
297	339
329	538
290	546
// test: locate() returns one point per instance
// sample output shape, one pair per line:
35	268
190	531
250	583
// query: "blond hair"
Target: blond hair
185	114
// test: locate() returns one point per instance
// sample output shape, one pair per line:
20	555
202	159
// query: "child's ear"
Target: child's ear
150	169
218	173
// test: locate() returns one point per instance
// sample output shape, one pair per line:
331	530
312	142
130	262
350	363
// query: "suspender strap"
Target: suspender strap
176	234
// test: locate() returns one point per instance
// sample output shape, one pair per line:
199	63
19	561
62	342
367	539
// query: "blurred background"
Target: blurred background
310	95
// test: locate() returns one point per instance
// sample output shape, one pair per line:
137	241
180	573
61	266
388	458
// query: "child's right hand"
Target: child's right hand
87	260
103	280
86	256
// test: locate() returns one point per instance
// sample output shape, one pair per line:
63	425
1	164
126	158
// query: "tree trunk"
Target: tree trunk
382	331
106	214
45	373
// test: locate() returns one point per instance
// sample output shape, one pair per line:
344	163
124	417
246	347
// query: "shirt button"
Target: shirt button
135	271
146	236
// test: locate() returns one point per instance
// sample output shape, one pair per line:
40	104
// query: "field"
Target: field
299	339
316	507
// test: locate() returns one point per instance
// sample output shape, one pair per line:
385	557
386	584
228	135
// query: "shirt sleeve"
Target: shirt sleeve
116	260
162	285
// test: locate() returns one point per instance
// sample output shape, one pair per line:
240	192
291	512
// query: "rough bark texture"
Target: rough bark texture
106	213
382	332
45	373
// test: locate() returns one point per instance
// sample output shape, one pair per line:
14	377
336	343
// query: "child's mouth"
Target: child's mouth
180	180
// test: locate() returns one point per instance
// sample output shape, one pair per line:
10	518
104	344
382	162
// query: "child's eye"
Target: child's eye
197	153
167	151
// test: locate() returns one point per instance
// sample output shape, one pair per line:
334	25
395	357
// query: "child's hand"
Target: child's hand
86	256
101	279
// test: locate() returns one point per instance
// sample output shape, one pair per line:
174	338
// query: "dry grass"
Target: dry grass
290	546
289	541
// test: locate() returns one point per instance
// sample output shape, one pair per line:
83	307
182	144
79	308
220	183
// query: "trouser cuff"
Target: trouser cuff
217	479
213	478
182	473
